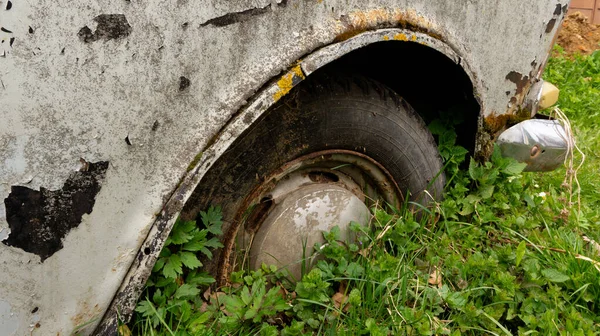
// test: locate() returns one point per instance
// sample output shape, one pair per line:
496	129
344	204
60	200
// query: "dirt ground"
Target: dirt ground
578	35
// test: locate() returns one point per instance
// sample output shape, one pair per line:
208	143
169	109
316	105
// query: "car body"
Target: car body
111	112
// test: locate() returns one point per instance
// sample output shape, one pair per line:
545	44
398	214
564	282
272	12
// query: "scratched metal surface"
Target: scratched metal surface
108	103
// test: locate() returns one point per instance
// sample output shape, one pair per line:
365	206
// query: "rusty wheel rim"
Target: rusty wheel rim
341	167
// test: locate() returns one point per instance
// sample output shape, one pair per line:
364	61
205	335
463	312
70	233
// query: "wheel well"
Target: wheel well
431	82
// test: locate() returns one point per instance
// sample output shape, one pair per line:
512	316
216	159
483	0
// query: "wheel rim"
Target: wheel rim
299	201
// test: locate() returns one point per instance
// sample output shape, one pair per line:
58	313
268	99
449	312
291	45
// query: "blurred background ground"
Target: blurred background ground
578	35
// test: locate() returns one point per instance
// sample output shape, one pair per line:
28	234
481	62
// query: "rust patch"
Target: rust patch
323	177
349	34
494	123
39	220
523	83
110	27
361	21
258	215
86	315
519	80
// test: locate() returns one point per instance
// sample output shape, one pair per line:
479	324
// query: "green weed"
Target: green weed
172	304
579	82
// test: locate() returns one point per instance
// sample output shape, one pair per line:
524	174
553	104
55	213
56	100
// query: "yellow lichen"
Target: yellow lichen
286	83
413	38
386	37
297	70
400	37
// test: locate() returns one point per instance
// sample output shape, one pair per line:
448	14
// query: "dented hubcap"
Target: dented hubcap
287	236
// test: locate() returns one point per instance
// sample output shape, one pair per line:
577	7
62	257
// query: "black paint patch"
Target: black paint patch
231	18
235	17
550	25
558	9
110	27
8	5
184	83
39	220
31	31
5	30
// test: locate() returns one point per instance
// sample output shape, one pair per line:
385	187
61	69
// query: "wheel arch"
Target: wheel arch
329	57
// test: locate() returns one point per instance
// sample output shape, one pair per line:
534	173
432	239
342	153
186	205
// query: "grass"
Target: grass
503	254
579	81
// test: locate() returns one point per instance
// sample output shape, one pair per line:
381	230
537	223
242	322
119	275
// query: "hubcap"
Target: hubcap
287	236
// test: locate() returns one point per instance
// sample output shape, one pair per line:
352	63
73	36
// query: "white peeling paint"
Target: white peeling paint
9	321
4	232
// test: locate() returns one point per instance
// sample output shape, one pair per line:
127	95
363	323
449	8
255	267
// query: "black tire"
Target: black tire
327	112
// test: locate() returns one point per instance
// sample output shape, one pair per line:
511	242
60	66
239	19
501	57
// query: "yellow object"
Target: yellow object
549	95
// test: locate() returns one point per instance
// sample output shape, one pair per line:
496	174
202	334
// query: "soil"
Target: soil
578	35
